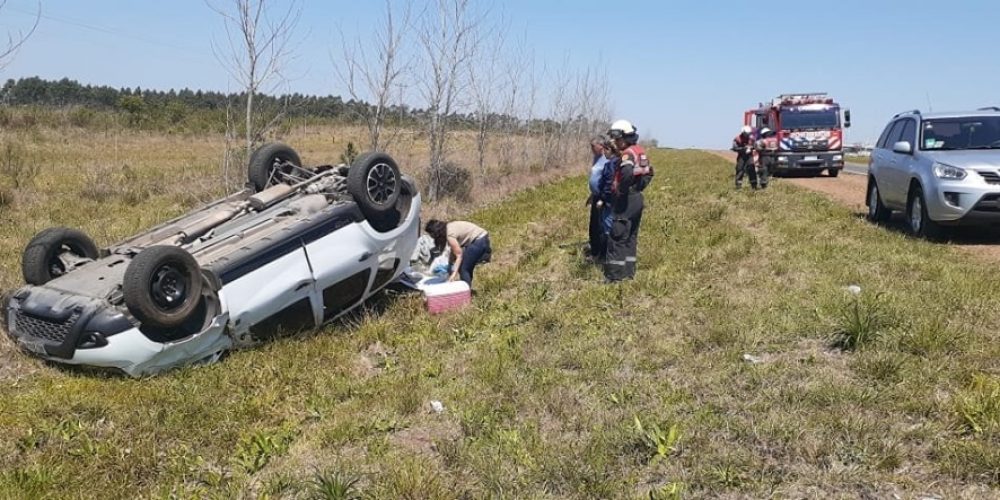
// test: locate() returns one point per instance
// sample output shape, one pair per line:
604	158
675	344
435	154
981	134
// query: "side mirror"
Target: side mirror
903	148
847	118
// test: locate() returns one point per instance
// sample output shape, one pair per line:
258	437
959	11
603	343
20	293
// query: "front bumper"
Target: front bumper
78	330
786	160
968	202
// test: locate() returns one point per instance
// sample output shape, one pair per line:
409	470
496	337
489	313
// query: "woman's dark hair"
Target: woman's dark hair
439	231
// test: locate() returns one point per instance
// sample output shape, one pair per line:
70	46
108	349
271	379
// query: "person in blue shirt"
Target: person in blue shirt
597	233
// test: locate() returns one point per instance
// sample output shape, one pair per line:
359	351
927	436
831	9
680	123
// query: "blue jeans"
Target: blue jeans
474	253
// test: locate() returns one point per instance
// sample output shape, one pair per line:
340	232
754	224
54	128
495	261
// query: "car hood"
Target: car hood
987	158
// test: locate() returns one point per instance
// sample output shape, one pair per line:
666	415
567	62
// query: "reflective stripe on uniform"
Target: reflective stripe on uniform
630	259
616	262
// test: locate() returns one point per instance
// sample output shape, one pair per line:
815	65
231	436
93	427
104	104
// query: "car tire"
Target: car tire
833	172
40	261
263	163
919	223
877	211
375	183
162	286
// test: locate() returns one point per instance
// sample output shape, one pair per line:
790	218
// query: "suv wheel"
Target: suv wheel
41	261
877	212
916	215
375	184
162	286
266	161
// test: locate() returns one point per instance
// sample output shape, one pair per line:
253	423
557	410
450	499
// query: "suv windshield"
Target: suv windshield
974	132
797	118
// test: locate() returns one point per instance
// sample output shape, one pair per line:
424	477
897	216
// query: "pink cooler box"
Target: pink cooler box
444	297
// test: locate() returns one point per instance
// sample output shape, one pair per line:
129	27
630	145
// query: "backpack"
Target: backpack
642	169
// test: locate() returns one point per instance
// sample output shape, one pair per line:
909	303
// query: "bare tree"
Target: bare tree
595	93
512	103
487	85
562	106
449	39
15	41
532	84
376	76
256	47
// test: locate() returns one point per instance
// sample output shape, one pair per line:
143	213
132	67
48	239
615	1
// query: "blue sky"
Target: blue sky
682	71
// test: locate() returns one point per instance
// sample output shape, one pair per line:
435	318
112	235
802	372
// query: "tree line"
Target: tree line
36	91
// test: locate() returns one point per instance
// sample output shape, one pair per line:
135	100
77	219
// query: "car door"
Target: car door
908	162
894	188
902	167
881	156
270	287
343	264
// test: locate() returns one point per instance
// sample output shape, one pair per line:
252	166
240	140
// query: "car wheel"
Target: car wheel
41	261
877	211
833	172
916	215
375	183
162	286
268	160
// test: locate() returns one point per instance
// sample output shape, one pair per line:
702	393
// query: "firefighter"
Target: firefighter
766	151
743	146
632	174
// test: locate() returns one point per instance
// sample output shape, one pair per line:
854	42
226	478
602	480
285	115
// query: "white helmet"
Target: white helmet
621	128
764	132
746	130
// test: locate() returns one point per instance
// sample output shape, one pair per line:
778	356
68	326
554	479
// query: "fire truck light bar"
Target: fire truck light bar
800	99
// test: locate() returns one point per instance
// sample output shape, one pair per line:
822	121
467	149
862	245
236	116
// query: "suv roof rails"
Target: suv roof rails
910	112
989	108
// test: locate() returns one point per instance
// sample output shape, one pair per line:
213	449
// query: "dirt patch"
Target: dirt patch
849	190
371	361
424	439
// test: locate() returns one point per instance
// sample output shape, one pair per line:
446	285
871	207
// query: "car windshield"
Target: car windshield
800	119
945	134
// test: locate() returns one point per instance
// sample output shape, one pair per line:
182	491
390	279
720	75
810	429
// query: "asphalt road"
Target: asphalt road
856	168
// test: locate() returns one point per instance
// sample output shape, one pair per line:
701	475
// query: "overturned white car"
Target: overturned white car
298	247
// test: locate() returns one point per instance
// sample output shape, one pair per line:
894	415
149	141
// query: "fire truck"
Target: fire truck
808	133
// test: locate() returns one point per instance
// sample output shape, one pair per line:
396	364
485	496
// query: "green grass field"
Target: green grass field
557	386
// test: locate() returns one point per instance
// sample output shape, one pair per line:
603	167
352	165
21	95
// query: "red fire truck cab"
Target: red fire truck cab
809	133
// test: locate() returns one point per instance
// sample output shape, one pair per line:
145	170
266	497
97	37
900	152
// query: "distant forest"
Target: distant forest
171	107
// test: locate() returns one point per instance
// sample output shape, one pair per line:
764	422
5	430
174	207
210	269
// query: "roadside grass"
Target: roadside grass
555	385
860	160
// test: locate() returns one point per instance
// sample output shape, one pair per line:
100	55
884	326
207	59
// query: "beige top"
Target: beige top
464	232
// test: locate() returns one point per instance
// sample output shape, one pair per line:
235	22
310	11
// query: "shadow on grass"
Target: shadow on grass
953	235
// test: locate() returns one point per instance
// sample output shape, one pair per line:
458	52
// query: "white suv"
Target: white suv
942	169
297	248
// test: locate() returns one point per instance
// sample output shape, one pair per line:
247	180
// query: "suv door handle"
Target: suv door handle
365	256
